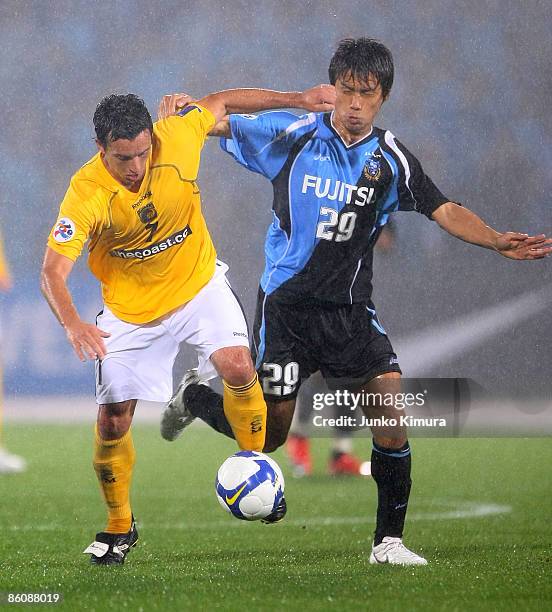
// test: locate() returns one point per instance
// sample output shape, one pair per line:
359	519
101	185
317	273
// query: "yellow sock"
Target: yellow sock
245	410
113	462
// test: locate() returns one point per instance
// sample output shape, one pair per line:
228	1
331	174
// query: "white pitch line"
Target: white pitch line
465	510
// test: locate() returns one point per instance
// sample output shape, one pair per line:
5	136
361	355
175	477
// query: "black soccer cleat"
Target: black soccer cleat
176	416
277	515
112	548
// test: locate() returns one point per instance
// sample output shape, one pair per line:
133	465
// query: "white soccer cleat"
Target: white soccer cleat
394	552
176	416
11	464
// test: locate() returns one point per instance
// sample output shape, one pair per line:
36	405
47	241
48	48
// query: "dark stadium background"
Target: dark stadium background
471	99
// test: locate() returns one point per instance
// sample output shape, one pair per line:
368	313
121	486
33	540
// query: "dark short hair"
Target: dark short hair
121	116
362	57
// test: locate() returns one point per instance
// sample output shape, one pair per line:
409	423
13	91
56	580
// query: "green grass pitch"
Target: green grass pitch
480	512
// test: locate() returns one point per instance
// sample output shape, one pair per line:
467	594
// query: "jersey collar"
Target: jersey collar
328	120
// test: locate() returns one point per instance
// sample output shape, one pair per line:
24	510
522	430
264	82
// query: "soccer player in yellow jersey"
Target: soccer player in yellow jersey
137	202
9	463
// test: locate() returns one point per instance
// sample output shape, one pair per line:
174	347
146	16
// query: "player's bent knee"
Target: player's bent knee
239	376
112	430
114	420
234	365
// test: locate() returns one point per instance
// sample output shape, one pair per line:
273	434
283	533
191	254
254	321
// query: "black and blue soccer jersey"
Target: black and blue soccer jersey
331	200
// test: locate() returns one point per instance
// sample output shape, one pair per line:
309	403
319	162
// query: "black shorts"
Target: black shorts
291	341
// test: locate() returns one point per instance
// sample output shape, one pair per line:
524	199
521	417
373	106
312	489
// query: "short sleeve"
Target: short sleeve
192	121
75	224
416	191
262	143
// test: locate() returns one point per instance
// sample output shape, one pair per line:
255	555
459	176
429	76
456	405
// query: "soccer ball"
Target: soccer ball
249	485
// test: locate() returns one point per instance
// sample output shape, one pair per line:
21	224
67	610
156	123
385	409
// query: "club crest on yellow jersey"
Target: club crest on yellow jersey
148	215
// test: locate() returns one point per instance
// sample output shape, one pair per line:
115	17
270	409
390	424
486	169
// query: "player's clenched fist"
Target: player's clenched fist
86	340
319	99
171	103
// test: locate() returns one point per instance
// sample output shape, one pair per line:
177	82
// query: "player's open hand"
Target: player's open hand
87	340
319	99
172	103
522	246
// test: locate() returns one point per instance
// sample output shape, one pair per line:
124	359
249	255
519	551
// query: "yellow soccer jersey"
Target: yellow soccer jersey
150	250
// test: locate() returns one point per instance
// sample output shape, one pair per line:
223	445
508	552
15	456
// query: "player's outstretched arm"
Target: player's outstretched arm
85	338
318	99
466	225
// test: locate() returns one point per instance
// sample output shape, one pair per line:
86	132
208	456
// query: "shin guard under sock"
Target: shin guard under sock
391	471
113	462
245	409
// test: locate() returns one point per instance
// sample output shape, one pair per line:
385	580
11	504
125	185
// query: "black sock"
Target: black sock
206	404
391	471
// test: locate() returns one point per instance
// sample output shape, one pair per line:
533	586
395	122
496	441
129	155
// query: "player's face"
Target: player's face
126	159
357	104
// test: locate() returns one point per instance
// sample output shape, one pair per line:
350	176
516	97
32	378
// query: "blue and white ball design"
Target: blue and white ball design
249	485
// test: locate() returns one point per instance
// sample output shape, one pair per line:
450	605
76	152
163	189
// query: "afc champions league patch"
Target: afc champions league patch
372	169
64	230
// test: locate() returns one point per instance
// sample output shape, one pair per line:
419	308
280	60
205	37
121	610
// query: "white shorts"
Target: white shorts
140	358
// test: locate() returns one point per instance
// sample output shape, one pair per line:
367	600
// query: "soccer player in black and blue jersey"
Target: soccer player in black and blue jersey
337	178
